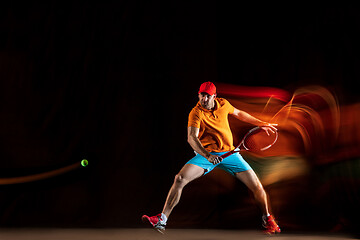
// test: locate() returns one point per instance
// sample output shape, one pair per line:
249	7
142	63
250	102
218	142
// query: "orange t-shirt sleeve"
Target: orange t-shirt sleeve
194	119
230	107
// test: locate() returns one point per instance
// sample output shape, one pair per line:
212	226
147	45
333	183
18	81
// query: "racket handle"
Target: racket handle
225	155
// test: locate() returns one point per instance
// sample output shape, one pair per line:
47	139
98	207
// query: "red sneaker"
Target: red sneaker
156	222
271	226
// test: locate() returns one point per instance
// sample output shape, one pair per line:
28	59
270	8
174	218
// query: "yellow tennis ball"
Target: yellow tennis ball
84	162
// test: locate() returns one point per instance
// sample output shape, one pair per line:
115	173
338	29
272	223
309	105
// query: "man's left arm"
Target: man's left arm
246	117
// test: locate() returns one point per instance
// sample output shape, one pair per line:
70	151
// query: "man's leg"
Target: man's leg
187	174
250	179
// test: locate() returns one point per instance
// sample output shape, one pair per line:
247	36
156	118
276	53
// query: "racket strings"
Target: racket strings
259	140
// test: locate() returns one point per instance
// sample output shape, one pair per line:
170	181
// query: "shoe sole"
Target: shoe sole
272	232
146	221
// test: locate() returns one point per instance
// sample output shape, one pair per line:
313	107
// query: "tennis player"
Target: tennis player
210	136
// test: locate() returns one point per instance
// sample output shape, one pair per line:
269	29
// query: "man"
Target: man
210	136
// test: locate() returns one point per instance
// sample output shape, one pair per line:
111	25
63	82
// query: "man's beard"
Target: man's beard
206	105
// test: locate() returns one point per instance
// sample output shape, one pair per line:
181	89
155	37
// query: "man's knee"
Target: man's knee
180	180
259	189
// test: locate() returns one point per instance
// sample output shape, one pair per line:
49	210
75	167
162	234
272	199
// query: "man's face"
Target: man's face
207	101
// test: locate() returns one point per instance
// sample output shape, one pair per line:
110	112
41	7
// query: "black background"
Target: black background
114	82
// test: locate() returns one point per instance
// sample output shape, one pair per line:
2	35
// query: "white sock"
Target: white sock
163	218
265	216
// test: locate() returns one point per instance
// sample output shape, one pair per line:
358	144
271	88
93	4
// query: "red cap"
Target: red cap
208	87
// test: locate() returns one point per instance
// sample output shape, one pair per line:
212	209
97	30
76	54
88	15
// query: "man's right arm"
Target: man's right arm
193	140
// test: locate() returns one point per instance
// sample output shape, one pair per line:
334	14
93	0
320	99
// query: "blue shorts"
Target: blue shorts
232	164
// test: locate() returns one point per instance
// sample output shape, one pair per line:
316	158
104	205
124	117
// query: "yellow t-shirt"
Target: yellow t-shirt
215	134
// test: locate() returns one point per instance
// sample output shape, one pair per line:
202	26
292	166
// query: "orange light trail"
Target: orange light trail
39	176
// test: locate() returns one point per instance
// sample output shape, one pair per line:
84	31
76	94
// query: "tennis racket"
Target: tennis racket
256	139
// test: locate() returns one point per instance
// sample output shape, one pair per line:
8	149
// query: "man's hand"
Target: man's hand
214	159
269	127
